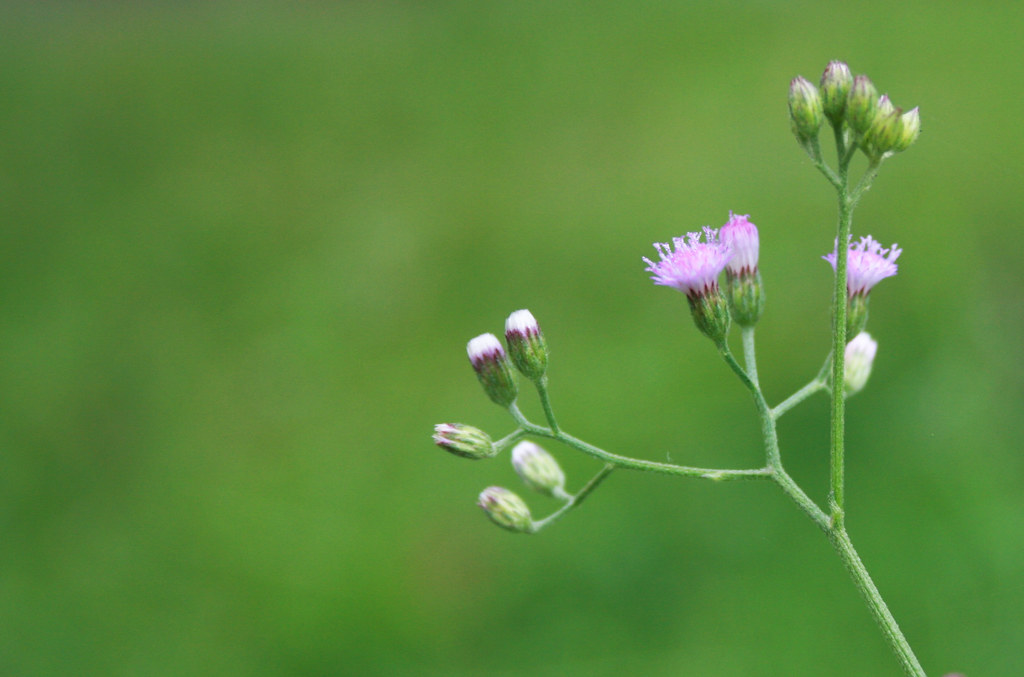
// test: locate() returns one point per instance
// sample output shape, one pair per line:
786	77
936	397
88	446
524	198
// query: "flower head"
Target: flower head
740	236
694	266
867	265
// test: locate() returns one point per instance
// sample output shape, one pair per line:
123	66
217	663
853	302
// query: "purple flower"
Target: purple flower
740	235
867	264
694	266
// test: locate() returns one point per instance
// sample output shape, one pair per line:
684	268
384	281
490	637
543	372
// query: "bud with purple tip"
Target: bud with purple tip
493	369
836	83
910	129
743	280
805	111
464	440
862	104
506	509
526	344
885	130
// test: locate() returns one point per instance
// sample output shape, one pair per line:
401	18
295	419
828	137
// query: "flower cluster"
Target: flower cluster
535	466
694	266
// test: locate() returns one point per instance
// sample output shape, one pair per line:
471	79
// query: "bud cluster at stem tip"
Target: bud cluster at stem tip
853	107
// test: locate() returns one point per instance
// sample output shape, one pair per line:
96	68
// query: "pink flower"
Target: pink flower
694	266
740	235
867	264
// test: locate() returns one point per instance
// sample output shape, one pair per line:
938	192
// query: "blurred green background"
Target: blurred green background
244	246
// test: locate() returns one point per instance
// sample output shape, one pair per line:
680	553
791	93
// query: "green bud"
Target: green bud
859	356
805	110
746	296
885	129
493	369
861	105
526	344
836	83
539	470
711	315
464	440
909	130
506	509
856	314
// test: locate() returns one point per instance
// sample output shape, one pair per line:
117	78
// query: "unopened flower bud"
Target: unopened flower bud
538	469
909	130
743	280
493	369
526	344
862	104
464	440
805	110
836	83
506	509
860	356
885	129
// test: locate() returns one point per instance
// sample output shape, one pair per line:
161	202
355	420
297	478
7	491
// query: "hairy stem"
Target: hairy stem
841	542
627	463
574	500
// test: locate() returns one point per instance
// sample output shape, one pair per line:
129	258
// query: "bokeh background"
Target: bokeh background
244	245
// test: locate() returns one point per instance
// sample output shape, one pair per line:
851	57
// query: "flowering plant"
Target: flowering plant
861	120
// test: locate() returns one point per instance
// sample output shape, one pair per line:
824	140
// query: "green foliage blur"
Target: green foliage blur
244	245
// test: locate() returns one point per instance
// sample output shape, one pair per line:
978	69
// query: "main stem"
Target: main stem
841	542
837	529
836	532
838	410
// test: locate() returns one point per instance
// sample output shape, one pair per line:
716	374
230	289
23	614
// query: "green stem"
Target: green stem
837	418
797	397
574	500
545	402
625	462
813	149
865	182
749	354
771	443
819	382
513	436
884	618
